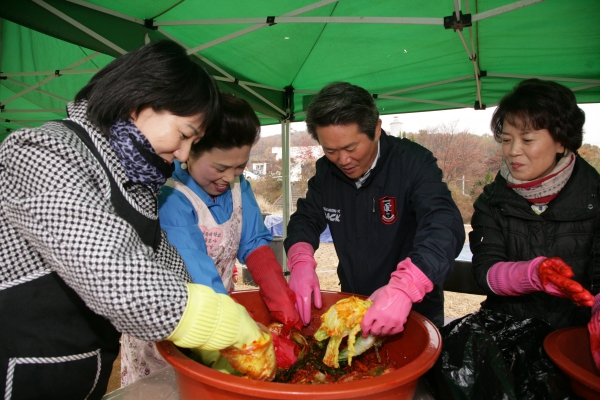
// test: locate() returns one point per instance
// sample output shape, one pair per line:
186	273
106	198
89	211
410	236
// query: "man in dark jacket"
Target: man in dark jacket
395	227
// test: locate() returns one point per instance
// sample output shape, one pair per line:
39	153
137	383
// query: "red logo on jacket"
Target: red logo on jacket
387	210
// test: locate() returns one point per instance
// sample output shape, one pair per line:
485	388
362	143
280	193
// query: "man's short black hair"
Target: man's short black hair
341	103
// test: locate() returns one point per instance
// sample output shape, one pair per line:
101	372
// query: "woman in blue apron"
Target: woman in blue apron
82	255
210	215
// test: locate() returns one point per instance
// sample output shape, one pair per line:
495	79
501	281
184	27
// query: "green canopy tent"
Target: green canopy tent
412	55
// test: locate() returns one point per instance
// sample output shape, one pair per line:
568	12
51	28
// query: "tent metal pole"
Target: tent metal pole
229	76
285	180
16	82
53	75
37	111
79	26
410	89
503	9
47	73
549	78
29	89
585	87
473	59
457	9
1	42
412	100
285	19
106	11
261	23
14	122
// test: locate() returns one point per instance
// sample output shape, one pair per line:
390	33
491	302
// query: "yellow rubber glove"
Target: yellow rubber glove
214	360
213	321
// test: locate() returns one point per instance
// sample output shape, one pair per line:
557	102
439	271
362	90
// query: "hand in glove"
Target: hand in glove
392	302
594	330
214	321
274	290
303	279
256	359
550	275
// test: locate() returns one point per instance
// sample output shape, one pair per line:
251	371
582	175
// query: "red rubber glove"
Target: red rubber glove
286	351
550	275
555	274
274	290
594	329
392	302
303	279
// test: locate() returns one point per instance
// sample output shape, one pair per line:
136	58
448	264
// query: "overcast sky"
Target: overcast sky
475	121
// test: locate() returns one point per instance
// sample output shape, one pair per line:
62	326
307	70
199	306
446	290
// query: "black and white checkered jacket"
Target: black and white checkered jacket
56	216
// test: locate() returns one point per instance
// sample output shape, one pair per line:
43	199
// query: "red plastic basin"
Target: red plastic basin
569	349
414	351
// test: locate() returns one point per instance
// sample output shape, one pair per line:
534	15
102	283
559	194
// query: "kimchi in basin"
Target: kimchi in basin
414	352
569	349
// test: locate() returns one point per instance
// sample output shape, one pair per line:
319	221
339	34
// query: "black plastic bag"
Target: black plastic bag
487	355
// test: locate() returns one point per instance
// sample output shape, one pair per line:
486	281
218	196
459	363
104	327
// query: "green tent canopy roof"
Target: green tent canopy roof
412	55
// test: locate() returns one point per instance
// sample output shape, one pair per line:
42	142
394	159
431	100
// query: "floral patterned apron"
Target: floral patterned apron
140	358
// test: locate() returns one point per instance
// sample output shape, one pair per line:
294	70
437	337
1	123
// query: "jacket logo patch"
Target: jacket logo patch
332	214
387	210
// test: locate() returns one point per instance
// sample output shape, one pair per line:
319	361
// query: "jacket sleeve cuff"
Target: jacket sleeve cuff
300	251
262	262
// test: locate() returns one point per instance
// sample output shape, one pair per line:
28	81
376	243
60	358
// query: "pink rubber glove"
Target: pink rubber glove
550	275
594	329
392	302
303	279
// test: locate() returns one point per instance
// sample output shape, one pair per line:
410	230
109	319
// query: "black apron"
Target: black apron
52	346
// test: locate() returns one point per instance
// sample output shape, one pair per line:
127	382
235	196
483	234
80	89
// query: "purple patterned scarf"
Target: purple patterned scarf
137	156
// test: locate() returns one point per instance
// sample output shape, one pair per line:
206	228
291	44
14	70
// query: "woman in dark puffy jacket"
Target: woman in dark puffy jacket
535	246
534	237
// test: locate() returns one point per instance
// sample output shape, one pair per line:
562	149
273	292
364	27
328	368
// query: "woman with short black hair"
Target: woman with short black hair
82	256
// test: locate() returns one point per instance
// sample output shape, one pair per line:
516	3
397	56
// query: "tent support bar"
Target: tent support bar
225	38
47	73
53	76
549	78
79	26
29	89
261	23
228	76
503	9
106	11
16	122
23	121
457	79
1	40
263	99
585	87
16	82
473	59
411	100
38	110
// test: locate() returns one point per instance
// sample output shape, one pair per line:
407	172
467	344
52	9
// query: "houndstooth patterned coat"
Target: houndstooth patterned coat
56	216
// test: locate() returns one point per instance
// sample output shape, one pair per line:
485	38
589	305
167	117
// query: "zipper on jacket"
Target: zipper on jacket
373	204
